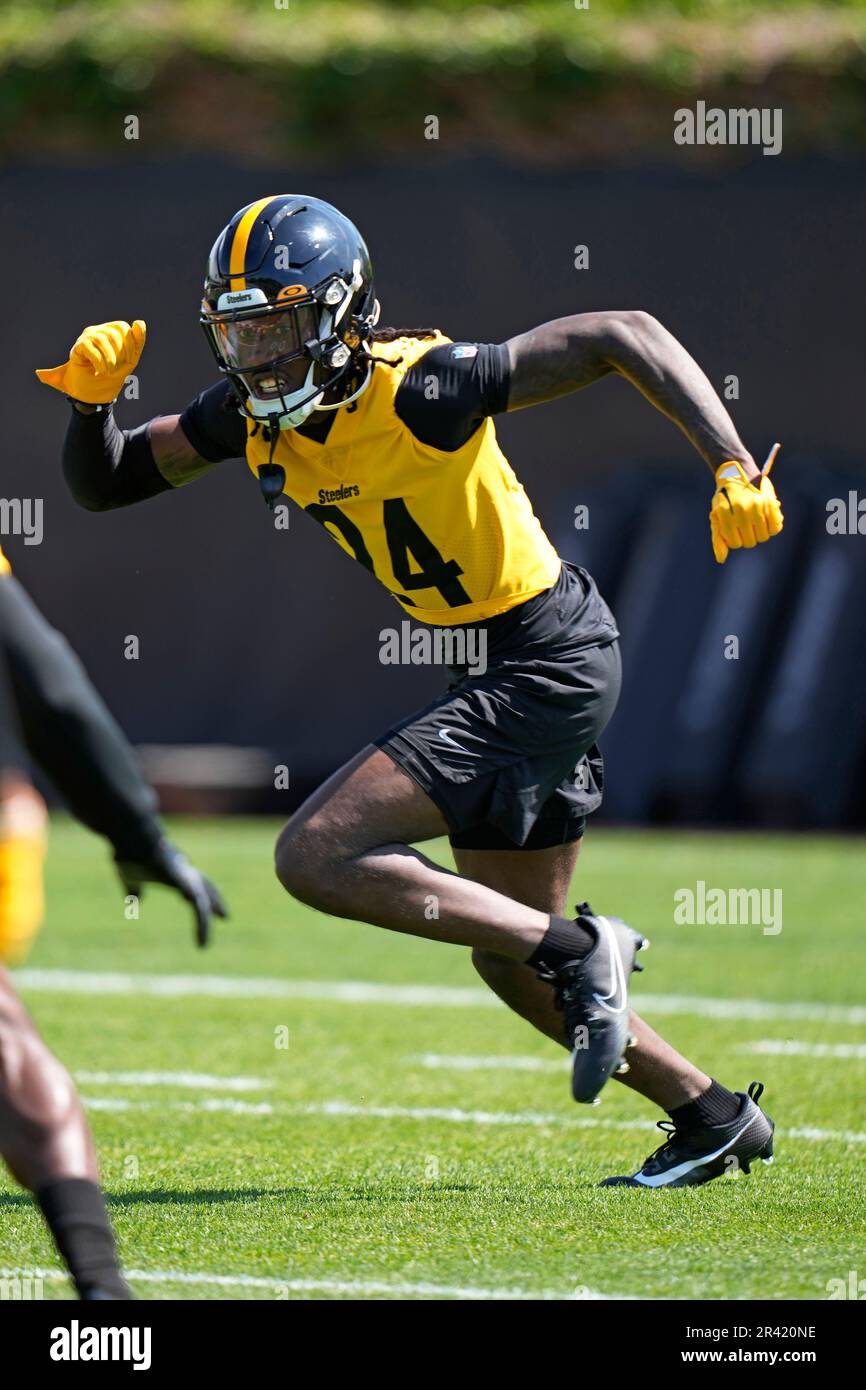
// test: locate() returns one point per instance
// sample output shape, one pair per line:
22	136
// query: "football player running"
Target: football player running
386	438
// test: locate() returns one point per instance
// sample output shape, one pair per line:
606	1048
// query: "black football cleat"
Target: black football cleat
686	1160
593	996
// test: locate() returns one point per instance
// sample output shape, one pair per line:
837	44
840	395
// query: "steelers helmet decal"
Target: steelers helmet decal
288	303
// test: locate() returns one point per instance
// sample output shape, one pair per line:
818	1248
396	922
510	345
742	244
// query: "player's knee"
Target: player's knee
13	1035
36	1092
302	863
56	1097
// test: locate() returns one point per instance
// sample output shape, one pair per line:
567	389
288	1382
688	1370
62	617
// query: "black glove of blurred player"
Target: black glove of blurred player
165	864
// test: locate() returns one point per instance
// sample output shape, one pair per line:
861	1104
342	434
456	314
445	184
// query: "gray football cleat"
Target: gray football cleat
593	996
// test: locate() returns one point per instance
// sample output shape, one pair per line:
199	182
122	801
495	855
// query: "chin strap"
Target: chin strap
347	400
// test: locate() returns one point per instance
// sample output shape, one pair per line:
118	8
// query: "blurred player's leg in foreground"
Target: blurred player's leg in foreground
46	1143
49	707
44	1138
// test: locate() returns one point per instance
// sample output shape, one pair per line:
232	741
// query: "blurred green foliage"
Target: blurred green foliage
315	72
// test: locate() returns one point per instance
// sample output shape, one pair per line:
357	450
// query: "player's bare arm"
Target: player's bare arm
567	354
172	452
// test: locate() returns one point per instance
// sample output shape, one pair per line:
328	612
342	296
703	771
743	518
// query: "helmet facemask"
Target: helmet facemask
283	357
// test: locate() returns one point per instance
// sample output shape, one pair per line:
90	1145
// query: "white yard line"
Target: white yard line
193	1107
842	1136
438	1061
361	1288
241	987
194	1080
758	1010
790	1047
418	996
533	1118
764	1047
453	1114
341	1109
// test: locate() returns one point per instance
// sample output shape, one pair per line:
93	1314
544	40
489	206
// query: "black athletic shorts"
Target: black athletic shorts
509	755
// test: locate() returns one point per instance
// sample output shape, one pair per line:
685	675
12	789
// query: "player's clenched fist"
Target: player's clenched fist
743	513
101	359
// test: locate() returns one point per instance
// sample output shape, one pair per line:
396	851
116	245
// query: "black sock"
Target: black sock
714	1106
75	1211
563	941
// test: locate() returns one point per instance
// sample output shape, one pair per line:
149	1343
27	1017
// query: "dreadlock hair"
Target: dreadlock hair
390	335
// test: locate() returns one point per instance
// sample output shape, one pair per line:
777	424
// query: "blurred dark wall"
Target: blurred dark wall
258	637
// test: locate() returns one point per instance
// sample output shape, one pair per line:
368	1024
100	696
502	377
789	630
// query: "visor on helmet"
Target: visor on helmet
283	357
267	349
245	343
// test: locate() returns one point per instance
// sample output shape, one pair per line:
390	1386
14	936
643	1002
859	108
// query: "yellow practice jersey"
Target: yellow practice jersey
450	532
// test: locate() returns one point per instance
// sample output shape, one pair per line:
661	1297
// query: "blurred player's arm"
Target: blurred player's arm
567	354
22	837
72	736
106	467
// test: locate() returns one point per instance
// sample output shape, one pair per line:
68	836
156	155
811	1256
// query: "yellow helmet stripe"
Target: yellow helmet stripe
238	256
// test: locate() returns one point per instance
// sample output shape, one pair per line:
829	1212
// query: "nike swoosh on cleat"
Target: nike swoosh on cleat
663	1179
617	974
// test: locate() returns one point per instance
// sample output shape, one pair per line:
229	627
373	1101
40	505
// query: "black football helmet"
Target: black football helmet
288	304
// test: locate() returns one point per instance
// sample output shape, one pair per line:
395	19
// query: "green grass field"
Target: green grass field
381	1153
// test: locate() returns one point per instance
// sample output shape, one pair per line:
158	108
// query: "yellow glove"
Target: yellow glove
22	855
101	359
743	513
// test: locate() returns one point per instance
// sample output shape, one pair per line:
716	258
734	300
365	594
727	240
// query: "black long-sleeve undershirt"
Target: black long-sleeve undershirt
105	466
